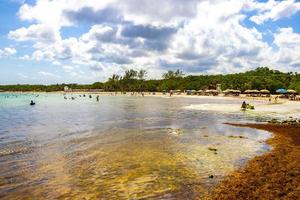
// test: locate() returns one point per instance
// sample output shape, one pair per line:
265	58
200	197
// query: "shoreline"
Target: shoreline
157	94
282	110
274	175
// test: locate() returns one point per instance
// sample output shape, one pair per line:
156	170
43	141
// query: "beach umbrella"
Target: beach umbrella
265	91
281	91
254	91
247	91
291	91
236	91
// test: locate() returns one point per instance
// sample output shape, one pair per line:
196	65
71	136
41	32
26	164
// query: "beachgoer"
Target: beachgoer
97	97
244	105
32	103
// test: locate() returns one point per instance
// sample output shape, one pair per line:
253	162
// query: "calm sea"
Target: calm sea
121	147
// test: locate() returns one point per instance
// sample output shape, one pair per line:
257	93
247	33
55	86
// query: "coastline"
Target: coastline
275	175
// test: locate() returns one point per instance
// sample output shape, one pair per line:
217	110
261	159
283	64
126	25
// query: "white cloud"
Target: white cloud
7	51
288	44
21	75
39	33
274	10
206	36
49	74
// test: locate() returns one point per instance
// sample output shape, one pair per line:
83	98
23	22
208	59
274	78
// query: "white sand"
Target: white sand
282	110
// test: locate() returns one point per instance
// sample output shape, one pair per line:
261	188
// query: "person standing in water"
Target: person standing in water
97	97
244	105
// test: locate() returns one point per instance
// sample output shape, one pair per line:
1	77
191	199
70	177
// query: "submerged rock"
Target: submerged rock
212	149
239	136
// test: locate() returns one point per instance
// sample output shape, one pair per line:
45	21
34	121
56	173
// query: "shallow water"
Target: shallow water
118	148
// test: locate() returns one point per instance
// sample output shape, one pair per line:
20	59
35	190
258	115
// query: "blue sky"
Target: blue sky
83	41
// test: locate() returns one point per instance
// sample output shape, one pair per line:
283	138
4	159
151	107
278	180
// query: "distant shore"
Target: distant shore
275	175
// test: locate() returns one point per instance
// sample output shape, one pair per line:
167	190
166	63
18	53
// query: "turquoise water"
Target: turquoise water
121	147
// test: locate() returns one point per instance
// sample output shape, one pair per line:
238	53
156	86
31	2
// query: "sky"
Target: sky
84	41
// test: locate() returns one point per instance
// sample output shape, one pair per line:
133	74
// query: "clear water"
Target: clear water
118	148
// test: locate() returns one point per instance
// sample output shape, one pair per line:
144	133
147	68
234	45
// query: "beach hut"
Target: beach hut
247	91
200	92
230	92
291	91
252	93
211	92
255	93
265	93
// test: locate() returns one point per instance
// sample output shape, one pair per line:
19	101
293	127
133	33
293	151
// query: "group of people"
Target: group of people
32	103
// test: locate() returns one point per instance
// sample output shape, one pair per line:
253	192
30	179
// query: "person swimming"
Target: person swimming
32	103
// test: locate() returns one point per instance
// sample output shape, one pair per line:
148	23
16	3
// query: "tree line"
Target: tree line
133	80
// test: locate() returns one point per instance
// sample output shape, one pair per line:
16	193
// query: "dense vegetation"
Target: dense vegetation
132	80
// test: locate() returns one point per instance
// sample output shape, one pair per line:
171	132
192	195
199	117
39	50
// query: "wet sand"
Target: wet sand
275	175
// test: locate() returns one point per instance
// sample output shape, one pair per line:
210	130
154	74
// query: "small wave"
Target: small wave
215	107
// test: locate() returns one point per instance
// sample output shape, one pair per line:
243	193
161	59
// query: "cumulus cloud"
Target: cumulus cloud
91	16
21	75
276	10
288	44
48	74
36	32
7	51
207	36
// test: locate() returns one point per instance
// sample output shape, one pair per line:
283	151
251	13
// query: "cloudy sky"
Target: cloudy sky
83	41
